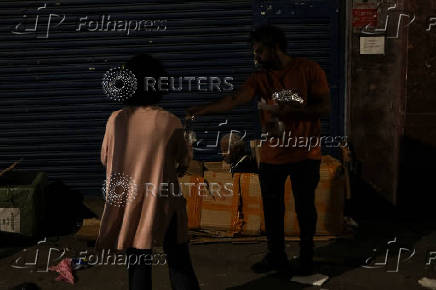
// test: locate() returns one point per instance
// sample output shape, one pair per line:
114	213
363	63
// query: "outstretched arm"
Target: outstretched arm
243	96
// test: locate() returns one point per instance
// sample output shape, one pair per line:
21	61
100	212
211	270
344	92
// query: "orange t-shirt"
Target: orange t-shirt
302	136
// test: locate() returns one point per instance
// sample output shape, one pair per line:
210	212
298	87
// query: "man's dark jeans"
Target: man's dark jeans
304	178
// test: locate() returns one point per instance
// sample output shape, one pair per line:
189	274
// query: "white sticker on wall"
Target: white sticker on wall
372	45
10	220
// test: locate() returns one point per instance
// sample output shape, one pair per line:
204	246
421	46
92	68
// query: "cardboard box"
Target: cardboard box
219	208
329	201
247	185
240	211
189	187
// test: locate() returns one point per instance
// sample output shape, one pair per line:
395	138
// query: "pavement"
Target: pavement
386	251
227	265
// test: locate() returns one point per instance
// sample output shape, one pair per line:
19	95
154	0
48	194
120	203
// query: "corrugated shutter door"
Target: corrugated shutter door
52	107
53	110
311	27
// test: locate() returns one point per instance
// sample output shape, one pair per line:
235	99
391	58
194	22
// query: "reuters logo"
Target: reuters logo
119	84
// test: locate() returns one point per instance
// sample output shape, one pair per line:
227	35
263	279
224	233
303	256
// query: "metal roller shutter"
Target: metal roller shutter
52	108
312	30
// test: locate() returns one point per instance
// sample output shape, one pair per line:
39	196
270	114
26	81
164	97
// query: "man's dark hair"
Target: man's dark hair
270	36
144	65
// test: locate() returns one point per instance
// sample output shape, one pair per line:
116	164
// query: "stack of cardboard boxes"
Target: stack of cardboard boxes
232	205
221	202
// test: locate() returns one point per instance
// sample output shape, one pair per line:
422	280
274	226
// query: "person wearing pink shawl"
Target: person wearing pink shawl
144	151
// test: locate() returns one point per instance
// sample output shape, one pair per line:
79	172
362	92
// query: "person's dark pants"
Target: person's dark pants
304	178
181	272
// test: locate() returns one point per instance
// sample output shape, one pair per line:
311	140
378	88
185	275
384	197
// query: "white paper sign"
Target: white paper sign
10	220
372	45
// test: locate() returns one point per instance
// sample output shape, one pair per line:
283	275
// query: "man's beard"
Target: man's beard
262	65
268	65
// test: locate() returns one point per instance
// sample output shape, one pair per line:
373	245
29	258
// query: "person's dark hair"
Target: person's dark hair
270	36
144	65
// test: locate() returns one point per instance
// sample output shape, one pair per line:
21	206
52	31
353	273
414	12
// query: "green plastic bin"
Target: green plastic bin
22	202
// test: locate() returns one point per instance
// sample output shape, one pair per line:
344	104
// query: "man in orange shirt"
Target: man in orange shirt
294	150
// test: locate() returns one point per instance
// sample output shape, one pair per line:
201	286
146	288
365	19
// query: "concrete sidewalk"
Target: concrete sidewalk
227	265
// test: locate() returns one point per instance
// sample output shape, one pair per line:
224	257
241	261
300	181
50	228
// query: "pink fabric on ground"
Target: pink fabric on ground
65	271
